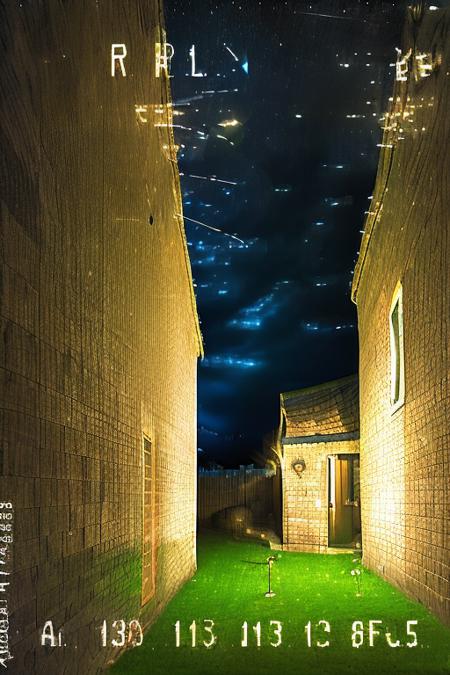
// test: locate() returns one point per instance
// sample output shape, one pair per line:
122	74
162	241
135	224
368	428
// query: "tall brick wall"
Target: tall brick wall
305	499
99	331
405	453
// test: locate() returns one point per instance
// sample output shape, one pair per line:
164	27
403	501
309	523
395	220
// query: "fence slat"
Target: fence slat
222	488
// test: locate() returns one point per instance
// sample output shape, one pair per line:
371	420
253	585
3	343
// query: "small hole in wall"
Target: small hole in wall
150	219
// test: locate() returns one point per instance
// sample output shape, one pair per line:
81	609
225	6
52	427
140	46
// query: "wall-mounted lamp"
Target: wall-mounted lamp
299	466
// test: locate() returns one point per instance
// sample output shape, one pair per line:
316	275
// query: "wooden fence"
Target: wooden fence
254	488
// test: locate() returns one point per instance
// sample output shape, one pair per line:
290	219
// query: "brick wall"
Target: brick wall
405	453
99	330
305	499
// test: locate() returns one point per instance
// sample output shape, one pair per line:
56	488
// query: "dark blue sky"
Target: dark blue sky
281	152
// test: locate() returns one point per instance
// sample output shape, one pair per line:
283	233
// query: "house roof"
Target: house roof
167	97
328	409
427	34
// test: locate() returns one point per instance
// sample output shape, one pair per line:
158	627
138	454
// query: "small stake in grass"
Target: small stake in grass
356	572
270	561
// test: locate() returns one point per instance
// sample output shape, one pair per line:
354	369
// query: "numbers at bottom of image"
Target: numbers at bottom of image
317	634
120	633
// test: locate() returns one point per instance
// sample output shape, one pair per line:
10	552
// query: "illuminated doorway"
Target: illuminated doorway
344	508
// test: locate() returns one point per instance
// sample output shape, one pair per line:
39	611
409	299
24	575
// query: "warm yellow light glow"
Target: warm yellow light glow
229	123
424	64
332	479
401	66
139	110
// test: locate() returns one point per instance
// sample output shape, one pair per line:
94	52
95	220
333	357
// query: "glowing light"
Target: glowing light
424	64
244	67
118	58
210	227
224	138
229	362
229	123
401	65
339	201
327	16
246	324
211	178
174	126
139	110
163	55
316	327
192	55
232	53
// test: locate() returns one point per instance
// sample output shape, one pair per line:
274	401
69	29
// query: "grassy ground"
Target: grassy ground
229	589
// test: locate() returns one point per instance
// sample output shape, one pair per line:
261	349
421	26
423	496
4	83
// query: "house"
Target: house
402	291
319	458
100	335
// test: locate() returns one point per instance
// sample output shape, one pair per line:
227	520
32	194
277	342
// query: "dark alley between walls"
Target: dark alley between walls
240	257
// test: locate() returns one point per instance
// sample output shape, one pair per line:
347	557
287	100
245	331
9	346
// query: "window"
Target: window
148	576
396	348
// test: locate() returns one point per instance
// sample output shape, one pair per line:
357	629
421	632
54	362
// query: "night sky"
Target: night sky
278	146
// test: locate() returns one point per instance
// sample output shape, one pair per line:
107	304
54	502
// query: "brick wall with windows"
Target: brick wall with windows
405	443
99	329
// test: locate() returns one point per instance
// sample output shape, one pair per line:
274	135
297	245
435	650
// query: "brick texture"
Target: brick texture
316	422
405	453
305	499
328	408
99	330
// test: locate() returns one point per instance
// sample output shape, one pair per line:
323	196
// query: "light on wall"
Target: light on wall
299	466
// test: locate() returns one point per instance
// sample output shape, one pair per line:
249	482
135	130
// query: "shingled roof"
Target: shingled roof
330	409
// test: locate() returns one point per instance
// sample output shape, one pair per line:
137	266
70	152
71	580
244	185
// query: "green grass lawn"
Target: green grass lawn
229	588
